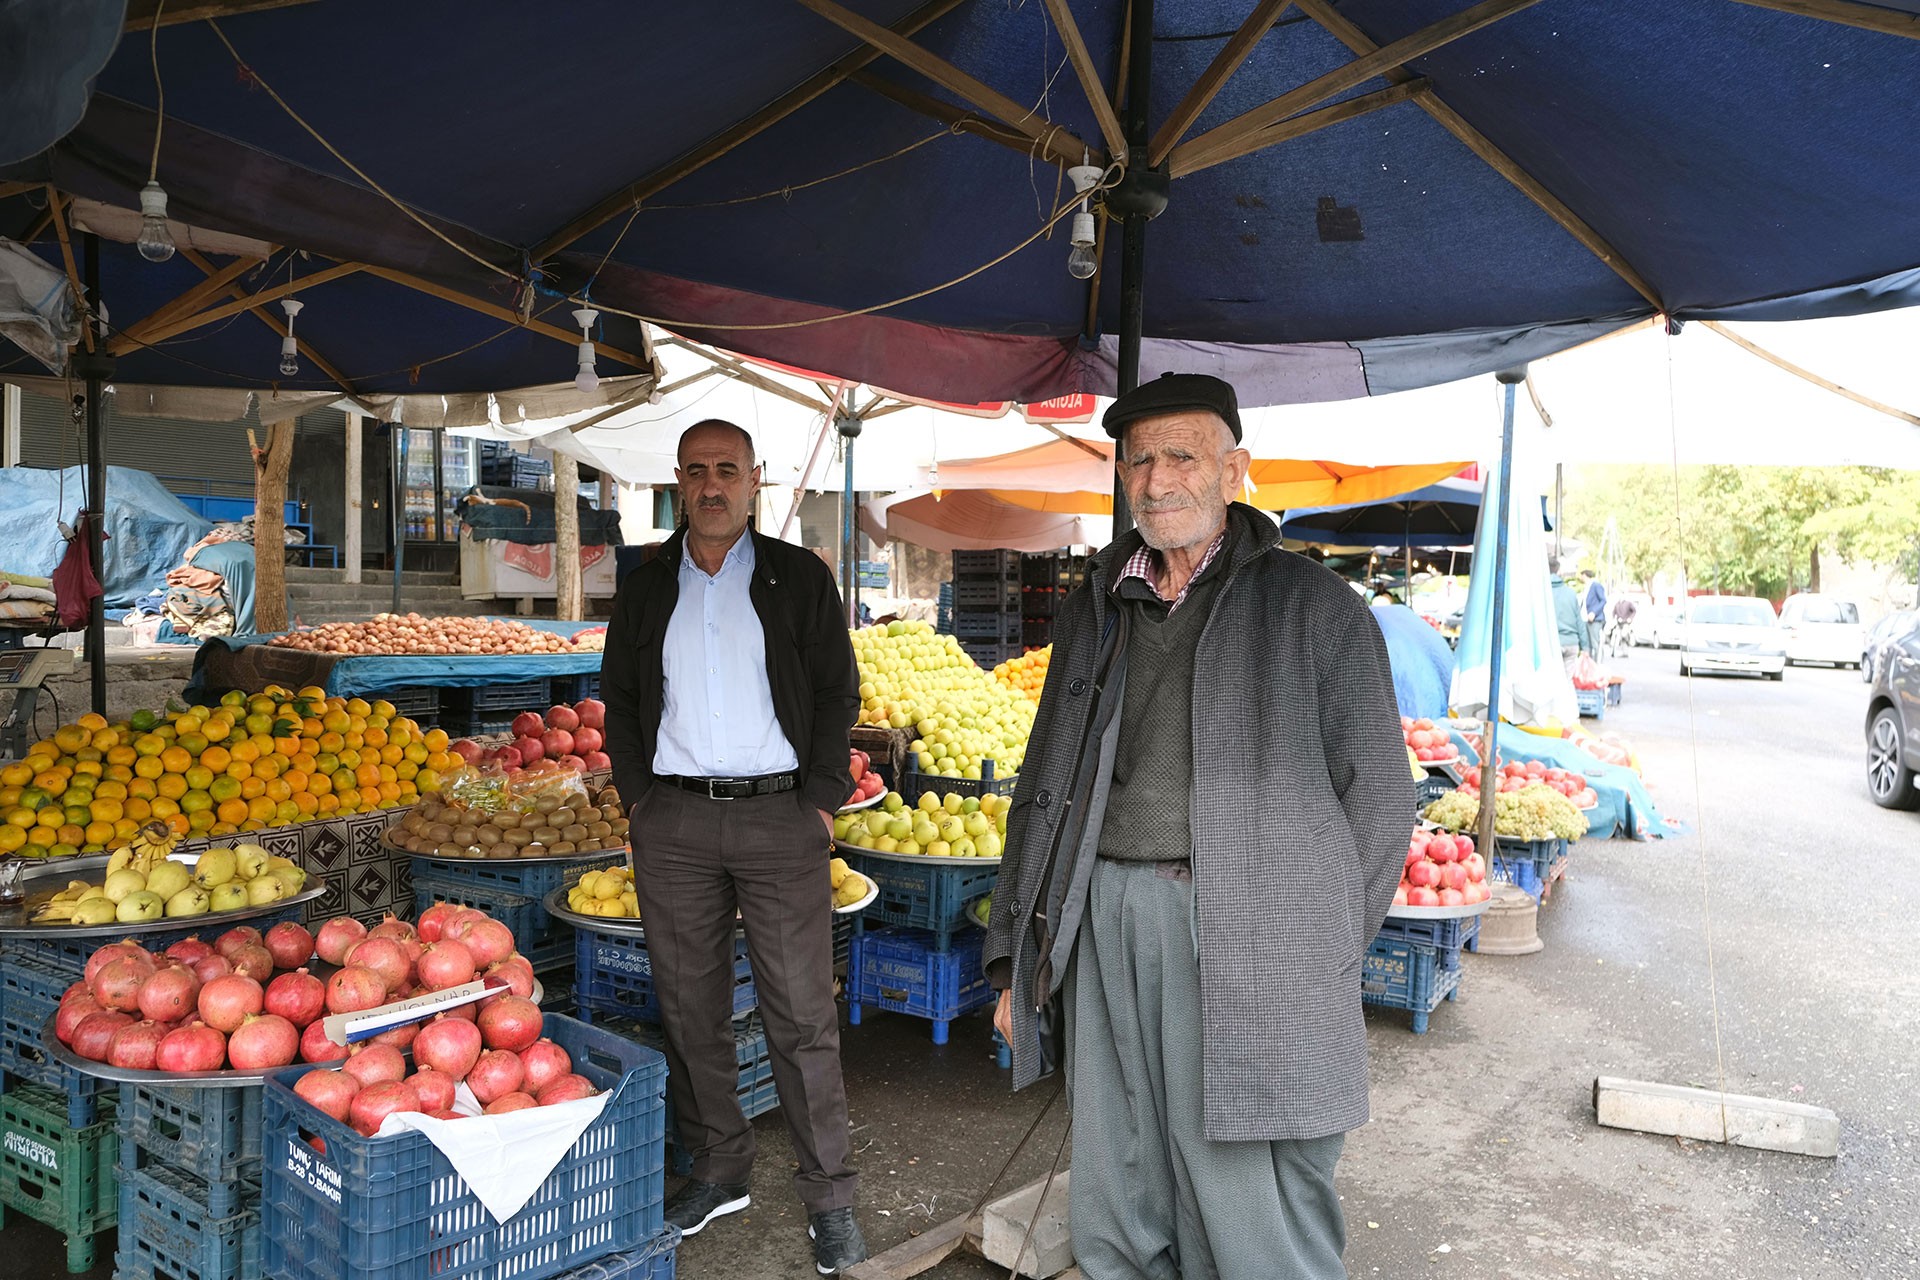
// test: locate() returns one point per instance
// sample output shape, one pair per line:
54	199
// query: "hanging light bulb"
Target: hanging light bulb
584	378
1082	262
289	346
155	242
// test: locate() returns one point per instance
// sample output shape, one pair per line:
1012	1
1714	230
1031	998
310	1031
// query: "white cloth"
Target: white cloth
504	1158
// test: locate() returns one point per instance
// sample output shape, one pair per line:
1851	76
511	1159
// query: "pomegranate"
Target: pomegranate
226	1002
564	717
194	1047
170	994
209	967
385	957
556	743
74	989
598	761
134	1045
353	989
545	1062
299	997
375	1064
515	1101
447	1113
529	749
510	1022
508	758
434	919
393	927
488	941
263	1042
567	1088
336	938
464	1012
315	1047
75	1009
517	972
467	749
445	964
435	1089
495	1074
400	1037
117	985
375	1102
253	960
290	945
241	935
94	1035
573	762
329	1091
592	713
448	1045
106	955
586	741
528	724
189	950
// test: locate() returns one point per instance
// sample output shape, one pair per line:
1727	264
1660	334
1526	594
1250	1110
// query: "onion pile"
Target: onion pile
409	633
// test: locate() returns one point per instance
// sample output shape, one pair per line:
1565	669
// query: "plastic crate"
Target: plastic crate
1429	789
212	1135
988	654
997	628
1036	633
756	1092
55	1173
612	974
842	940
1541	853
1444	934
393	1208
914	784
1406	975
575	688
420	703
506	875
932	896
1614	691
991	595
1593	703
530	695
30	994
168	1231
462	724
907	971
986	564
654	1262
545	942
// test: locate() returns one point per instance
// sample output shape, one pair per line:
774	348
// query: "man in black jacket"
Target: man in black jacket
730	686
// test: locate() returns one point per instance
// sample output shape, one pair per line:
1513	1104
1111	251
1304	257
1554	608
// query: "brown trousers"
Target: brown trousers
697	861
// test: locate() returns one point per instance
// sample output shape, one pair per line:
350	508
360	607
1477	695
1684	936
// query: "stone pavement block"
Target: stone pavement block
1004	1228
1707	1115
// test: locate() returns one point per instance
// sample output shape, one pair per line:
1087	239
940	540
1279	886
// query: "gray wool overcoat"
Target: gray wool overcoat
1302	804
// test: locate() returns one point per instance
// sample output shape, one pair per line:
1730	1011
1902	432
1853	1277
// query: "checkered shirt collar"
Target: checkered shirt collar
1140	565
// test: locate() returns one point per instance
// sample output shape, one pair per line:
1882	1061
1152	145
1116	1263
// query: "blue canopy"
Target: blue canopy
1438	515
756	176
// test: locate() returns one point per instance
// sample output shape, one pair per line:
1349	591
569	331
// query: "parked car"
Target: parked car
1885	629
1893	719
1658	626
1822	629
1733	633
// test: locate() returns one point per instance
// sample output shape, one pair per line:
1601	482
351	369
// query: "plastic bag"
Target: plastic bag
75	587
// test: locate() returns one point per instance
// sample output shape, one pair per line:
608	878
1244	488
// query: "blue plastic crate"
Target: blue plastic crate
211	1134
1406	975
575	688
612	974
168	1231
1444	934
1429	789
1593	703
906	971
932	895
654	1262
915	783
545	942
393	1208
531	695
756	1090
842	939
55	1173
1541	853
30	993
510	876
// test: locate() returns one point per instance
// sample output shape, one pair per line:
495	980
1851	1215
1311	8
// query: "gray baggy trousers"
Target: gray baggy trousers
1152	1198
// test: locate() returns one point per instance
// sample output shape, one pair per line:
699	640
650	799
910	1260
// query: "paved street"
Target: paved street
1483	1159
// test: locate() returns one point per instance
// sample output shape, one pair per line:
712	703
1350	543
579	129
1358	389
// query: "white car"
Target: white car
1733	633
1657	626
1822	629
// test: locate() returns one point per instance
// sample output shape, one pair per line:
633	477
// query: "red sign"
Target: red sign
1061	410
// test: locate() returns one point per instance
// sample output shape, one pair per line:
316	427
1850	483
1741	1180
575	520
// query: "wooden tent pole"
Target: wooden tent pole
569	596
270	467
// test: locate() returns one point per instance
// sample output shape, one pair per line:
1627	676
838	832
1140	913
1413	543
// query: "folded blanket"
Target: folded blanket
16	591
23	610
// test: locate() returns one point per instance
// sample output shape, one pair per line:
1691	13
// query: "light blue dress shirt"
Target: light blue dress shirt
717	718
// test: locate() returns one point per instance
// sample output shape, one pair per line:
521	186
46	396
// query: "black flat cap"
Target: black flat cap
1175	393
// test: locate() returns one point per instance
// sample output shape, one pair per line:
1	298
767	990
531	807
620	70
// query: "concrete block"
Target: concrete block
1707	1115
1004	1227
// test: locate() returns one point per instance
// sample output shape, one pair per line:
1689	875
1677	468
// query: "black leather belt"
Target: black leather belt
736	788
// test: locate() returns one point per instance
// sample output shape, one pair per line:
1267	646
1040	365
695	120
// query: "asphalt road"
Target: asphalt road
1483	1159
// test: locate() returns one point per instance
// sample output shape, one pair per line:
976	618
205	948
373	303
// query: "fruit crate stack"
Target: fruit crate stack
1532	865
1045	582
755	1091
986	605
613	977
943	615
489	711
1415	965
913	971
190	1177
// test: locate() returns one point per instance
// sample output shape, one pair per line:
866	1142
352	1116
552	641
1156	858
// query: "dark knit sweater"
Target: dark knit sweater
1149	807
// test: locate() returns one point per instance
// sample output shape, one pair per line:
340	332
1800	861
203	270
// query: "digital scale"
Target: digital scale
22	672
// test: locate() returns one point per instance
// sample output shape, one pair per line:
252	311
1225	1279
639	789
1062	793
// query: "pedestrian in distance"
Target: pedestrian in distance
731	687
1568	618
1205	837
1595	605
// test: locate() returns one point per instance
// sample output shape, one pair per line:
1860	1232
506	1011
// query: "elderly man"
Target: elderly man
1206	837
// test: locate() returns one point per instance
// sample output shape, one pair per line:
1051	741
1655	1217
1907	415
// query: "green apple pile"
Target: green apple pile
937	826
913	679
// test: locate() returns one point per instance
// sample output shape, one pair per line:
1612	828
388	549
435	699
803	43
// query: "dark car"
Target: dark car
1893	720
1884	630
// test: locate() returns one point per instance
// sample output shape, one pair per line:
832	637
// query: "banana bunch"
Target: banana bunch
606	892
142	884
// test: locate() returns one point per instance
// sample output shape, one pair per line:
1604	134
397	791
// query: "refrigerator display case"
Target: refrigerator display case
434	470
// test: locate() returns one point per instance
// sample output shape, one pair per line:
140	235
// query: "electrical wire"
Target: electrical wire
159	91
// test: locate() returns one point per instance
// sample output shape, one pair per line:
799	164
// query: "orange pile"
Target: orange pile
1027	673
268	760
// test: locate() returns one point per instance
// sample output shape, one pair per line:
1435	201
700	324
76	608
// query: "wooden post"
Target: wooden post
270	466
350	549
570	602
9	425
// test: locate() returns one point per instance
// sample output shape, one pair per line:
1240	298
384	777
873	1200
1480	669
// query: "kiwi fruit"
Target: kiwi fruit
547	836
590	845
561	848
599	830
502	851
488	835
546	804
620	827
573	833
532	821
439	833
562	817
516	838
463	835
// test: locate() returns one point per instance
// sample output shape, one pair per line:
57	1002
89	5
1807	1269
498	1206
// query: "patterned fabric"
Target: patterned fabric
1140	565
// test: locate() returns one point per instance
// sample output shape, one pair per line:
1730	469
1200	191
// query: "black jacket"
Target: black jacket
810	666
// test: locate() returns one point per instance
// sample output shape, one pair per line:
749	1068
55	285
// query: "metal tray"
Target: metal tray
1440	913
556	903
850	850
863	805
13	919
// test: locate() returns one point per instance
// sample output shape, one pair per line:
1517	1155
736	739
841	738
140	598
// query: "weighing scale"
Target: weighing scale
22	672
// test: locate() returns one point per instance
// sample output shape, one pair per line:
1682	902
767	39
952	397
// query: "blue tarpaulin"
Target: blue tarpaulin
1422	662
218	659
148	531
1626	809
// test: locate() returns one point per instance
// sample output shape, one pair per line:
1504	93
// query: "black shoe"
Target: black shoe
698	1203
837	1242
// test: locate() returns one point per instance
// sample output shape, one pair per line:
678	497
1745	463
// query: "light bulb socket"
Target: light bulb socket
1082	229
155	242
153	201
585	378
1085	177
